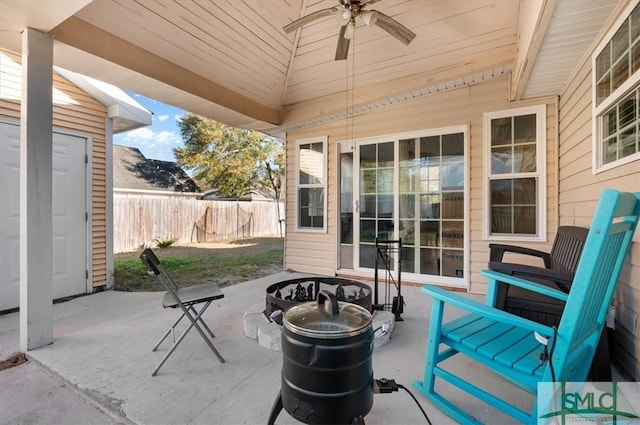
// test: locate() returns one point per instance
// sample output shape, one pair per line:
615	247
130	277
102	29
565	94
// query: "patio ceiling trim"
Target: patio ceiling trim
89	38
534	23
450	84
292	56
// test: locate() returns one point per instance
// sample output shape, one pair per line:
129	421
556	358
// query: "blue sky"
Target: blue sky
158	140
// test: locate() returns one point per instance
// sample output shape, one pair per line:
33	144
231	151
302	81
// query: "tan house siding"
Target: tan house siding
316	253
75	110
579	192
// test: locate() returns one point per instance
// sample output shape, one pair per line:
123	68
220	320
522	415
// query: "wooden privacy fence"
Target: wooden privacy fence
138	220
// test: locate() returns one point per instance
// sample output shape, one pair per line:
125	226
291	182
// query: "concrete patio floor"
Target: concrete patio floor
102	357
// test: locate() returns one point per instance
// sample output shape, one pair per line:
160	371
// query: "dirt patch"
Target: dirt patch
14	359
227	248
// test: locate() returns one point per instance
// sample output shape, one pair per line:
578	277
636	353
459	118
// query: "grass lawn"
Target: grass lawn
224	263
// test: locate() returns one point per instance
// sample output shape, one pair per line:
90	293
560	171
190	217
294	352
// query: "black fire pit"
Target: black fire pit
287	293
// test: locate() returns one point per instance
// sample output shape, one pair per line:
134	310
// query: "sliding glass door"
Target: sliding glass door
408	188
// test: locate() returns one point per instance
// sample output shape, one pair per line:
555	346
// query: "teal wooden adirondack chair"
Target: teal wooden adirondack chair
507	344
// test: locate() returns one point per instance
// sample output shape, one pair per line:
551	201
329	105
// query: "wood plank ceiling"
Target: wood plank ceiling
240	45
232	61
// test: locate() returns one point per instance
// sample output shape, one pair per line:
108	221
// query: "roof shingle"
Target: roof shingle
132	170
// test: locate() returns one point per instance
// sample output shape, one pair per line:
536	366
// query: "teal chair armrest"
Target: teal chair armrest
484	310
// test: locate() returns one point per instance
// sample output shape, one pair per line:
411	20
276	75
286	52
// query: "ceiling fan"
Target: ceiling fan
346	12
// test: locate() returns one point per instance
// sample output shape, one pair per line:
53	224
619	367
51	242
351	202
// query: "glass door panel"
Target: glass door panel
411	189
438	164
377	204
345	257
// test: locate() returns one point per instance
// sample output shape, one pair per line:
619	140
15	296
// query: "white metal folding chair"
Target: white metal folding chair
186	299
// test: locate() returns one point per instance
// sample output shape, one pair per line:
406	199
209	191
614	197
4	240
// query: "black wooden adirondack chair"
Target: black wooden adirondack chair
558	272
559	269
510	345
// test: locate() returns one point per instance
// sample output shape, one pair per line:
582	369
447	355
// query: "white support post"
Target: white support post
36	153
109	203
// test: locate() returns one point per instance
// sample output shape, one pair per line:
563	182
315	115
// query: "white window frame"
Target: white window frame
540	174
630	85
323	185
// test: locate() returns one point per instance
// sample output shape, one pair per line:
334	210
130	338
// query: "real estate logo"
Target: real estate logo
567	403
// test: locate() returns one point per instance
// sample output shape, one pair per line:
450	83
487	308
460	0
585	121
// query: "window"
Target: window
312	184
616	93
515	173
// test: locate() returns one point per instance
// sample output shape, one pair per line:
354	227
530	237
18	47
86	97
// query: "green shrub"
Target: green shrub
164	243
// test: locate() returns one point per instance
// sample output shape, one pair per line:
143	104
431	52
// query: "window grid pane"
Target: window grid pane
513	199
311	182
513	144
615	65
620	129
514	206
311	213
441	200
619	59
620	72
376	197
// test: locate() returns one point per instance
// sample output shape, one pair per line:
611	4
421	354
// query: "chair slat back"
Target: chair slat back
597	274
567	247
153	265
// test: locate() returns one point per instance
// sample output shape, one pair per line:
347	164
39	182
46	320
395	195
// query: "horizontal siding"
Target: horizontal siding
463	106
74	110
579	192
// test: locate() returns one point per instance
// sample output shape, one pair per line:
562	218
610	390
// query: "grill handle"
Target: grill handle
323	297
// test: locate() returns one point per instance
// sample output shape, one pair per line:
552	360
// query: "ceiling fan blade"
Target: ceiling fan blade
342	49
300	22
393	27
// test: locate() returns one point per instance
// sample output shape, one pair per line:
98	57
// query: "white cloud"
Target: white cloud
144	133
146	136
177	116
163	118
153	144
168	138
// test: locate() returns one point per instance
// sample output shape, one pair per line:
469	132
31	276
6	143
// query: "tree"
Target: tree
234	161
273	171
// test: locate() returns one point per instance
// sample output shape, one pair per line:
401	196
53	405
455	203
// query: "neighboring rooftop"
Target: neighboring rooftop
132	170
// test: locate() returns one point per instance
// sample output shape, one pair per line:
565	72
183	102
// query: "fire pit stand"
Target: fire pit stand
287	293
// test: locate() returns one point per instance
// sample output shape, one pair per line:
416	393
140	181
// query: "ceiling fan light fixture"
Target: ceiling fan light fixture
343	17
350	30
369	17
346	13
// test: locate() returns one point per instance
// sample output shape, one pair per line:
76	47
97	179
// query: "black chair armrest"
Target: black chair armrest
496	252
562	280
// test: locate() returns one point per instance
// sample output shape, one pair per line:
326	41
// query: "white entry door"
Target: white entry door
69	216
